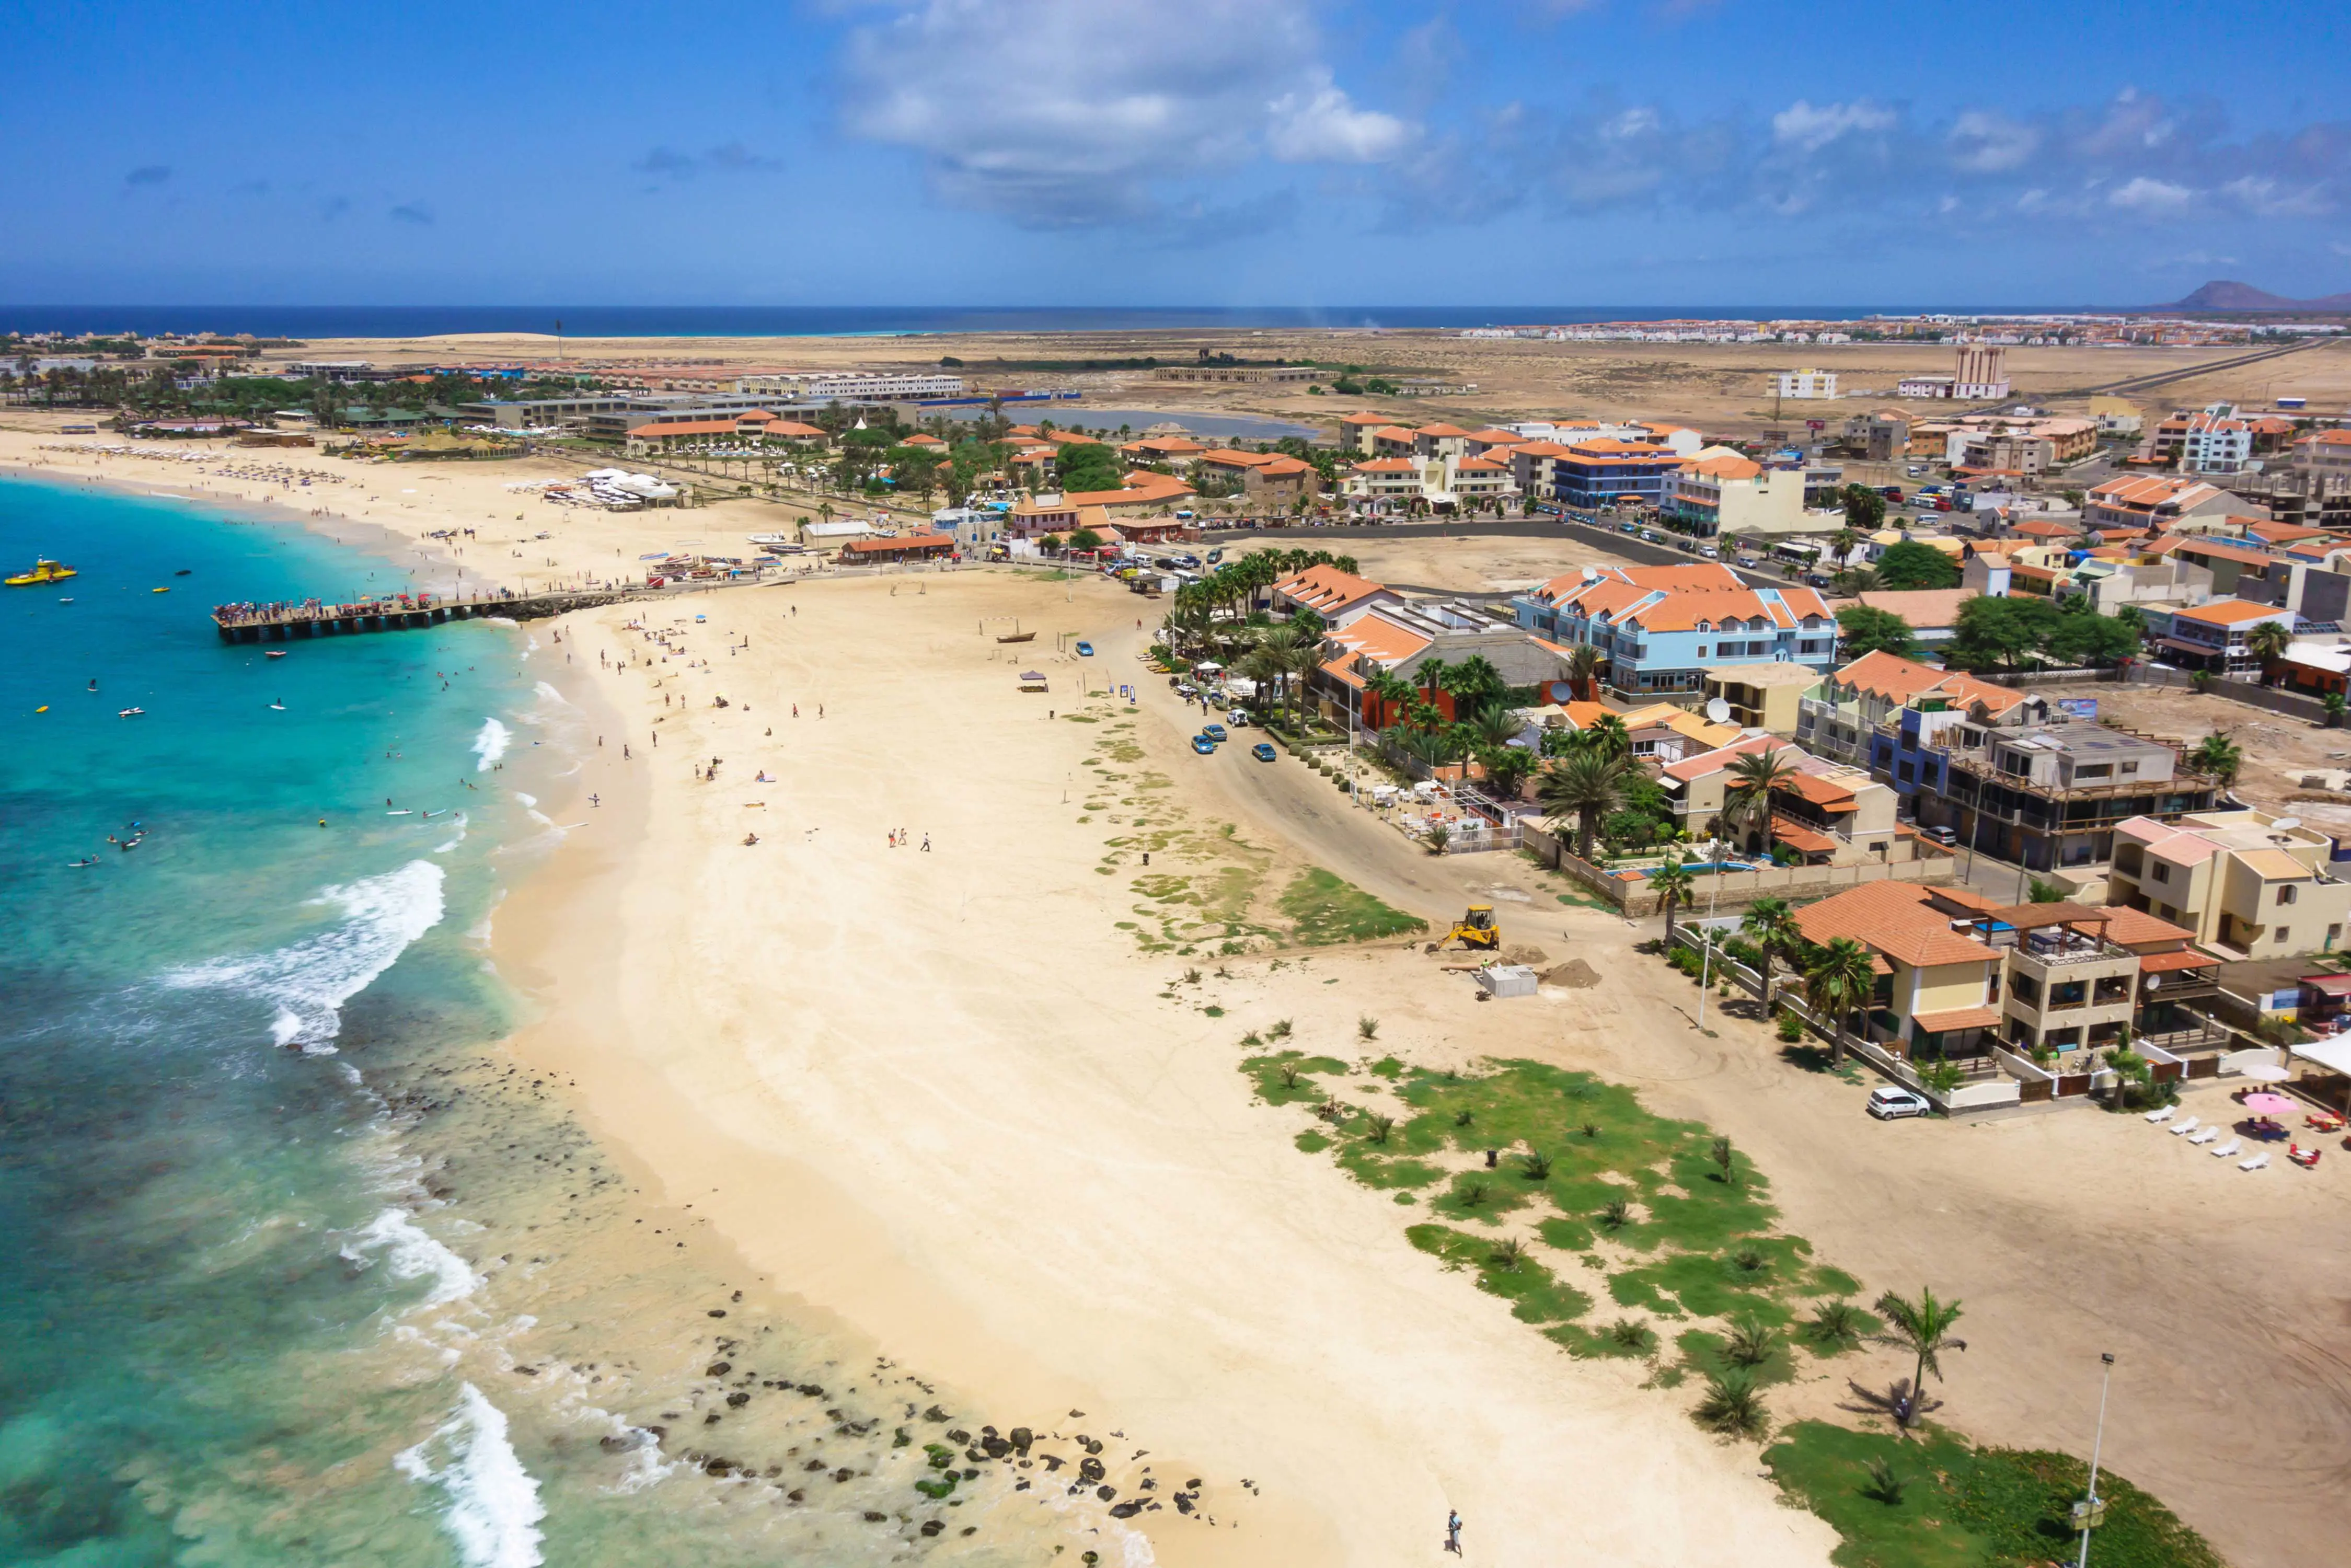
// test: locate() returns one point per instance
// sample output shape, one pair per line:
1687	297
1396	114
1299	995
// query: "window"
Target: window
2093	771
2128	769
1701	650
2283	931
2286	895
2162	871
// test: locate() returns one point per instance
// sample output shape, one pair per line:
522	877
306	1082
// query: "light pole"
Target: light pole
2090	1512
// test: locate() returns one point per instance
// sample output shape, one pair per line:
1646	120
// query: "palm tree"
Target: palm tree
1305	657
1433	676
1605	737
2217	756
1923	1327
1583	661
1839	978
1495	726
1771	925
1673	883
1753	777
2268	642
1588	784
1476	682
1842	544
1389	689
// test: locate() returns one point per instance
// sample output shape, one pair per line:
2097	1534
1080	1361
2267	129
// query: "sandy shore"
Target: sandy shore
942	1097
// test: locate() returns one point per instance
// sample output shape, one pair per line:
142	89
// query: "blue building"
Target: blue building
1662	627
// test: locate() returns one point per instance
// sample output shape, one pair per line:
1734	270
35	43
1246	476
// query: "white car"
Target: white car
1889	1104
1239	718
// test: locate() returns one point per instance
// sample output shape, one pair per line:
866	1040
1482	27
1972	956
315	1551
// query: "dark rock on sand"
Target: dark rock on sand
718	1369
1089	1471
1105	1494
933	1527
1126	1510
936	1414
739	1400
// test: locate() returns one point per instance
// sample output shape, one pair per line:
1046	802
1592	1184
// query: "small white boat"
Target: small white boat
131	713
273	653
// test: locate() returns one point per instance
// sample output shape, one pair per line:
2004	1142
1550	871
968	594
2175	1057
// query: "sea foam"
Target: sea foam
494	1505
411	1254
491	743
308	981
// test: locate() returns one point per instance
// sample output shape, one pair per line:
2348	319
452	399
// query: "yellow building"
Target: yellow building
2249	885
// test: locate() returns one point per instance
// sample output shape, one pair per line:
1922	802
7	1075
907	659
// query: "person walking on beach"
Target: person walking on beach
1453	1532
926	843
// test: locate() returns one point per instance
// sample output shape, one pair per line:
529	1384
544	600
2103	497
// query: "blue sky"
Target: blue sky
1212	152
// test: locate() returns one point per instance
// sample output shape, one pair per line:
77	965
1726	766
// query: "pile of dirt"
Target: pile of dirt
1575	975
1523	953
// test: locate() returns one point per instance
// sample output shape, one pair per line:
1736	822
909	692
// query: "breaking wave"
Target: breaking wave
494	1504
490	743
308	981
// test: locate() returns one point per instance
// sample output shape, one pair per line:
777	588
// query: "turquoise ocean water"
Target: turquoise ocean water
296	1266
199	1197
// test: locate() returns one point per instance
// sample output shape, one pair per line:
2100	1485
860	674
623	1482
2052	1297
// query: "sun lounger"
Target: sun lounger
2227	1150
2205	1135
2163	1115
2185	1127
2256	1163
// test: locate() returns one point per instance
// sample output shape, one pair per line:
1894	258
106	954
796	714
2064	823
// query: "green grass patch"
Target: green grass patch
1386	1067
1310	1142
1288	1077
1323	909
1961	1507
1535	1294
1374	1166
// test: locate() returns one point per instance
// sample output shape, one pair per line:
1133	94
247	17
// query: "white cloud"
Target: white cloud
1985	143
2149	195
1808	128
1069	113
2265	198
1322	126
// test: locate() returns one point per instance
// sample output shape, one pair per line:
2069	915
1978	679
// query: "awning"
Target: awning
2334	1055
1957	1019
1797	836
2336	986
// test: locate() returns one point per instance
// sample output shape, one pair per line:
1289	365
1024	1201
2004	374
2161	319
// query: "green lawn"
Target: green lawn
1324	909
1962	1507
1698	1279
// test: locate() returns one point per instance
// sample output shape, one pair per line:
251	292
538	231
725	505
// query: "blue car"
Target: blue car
1215	732
1262	751
1085	650
1204	745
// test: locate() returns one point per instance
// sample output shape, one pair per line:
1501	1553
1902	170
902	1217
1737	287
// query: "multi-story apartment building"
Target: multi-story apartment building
2152	502
2214	636
1727	494
2247	884
1662	627
1880	437
2326	452
1594	472
1839	718
2216	442
1808	384
2045	796
1962	977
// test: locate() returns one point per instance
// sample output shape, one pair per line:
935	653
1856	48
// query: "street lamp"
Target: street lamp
2091	1511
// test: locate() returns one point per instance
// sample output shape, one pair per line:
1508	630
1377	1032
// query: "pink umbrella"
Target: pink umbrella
2267	1104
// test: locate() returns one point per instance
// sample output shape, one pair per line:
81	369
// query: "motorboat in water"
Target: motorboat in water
44	570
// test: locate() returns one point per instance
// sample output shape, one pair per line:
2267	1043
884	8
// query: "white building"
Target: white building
2217	442
853	386
1806	385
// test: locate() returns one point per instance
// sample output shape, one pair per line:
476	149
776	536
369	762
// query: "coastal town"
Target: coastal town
1268	784
1970	759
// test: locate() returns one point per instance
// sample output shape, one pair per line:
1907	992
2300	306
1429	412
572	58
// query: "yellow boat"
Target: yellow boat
43	572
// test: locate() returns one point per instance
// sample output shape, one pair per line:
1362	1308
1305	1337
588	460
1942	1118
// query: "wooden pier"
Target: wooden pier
283	622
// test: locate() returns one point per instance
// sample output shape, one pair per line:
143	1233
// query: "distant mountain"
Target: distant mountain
2222	293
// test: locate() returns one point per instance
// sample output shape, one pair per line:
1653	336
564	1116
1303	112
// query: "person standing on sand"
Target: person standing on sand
1453	1532
926	843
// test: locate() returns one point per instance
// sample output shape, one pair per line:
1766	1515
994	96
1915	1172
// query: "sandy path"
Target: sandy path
939	1096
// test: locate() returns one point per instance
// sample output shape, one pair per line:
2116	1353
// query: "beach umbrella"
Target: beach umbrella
2268	1104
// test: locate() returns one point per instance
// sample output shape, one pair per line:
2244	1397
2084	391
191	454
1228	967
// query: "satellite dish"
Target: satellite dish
1718	711
1591	574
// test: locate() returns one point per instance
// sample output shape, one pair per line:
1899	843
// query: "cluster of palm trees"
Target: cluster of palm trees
1839	976
1482	725
1212	618
1590	781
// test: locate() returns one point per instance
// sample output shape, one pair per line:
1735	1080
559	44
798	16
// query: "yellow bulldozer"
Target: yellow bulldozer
1476	930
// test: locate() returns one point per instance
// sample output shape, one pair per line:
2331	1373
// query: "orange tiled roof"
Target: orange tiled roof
1893	918
2231	613
1326	588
